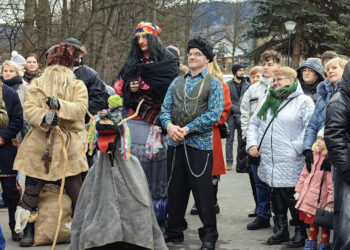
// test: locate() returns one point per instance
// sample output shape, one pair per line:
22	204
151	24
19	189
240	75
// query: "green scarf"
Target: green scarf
274	100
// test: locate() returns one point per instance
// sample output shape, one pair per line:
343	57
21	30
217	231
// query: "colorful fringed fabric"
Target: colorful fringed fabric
126	143
91	137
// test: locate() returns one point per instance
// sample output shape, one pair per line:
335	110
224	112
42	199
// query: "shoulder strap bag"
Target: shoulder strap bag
256	160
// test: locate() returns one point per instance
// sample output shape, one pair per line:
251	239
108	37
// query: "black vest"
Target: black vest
187	108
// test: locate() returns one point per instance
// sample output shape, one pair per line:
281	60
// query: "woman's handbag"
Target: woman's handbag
324	218
256	160
224	130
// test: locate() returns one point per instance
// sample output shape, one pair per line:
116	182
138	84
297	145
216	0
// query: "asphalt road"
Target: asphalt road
235	200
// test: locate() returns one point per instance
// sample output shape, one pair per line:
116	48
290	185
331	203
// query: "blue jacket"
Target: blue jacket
326	90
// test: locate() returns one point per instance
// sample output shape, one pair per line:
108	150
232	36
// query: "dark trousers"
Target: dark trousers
182	182
263	195
11	197
253	186
341	217
283	199
33	186
234	123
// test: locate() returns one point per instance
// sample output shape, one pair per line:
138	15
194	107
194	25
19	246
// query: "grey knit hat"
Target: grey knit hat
17	58
313	63
255	68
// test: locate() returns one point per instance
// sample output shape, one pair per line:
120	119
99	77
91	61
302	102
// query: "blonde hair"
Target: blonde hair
12	65
286	71
56	80
324	151
214	70
183	69
336	61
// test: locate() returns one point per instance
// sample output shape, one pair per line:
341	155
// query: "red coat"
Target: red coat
218	155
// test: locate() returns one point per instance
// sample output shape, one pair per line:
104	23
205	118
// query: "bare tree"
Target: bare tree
234	23
28	25
104	27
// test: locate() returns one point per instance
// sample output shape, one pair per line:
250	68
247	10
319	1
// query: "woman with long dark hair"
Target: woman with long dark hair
147	73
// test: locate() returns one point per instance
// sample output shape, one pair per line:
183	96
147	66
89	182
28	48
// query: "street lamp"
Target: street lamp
290	26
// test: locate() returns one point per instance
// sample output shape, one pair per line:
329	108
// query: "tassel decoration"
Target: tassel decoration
91	137
126	143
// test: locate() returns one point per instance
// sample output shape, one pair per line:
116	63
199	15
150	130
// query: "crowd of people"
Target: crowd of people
129	156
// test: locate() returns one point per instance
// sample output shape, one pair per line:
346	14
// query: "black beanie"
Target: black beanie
237	67
203	45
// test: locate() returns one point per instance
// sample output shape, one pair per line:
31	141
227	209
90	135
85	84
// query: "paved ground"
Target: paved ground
235	200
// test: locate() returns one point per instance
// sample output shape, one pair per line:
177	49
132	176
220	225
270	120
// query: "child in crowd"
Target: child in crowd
114	102
315	190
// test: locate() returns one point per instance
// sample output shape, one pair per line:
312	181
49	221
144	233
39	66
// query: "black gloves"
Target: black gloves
346	177
53	103
51	118
326	165
309	159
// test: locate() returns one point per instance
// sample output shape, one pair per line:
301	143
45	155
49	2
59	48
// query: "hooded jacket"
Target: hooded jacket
326	90
337	128
311	89
251	100
281	150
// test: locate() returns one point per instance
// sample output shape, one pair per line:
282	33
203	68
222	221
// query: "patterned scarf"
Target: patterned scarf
274	100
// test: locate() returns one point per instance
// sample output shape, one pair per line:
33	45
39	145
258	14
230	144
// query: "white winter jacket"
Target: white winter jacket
281	150
251	100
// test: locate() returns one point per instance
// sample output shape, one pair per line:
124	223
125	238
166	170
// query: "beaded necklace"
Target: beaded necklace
193	98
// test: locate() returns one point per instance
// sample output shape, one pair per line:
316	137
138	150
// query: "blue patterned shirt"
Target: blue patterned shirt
202	125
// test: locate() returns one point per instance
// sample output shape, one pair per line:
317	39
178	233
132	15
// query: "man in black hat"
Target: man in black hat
238	86
192	105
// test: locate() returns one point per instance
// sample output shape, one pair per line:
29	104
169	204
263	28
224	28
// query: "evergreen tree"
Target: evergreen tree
313	33
339	17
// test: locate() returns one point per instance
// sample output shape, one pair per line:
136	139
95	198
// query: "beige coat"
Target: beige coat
71	121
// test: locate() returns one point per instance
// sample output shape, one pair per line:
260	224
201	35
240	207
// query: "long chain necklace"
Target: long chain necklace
192	98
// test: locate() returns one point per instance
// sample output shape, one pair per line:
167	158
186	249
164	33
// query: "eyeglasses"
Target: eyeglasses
280	79
197	54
